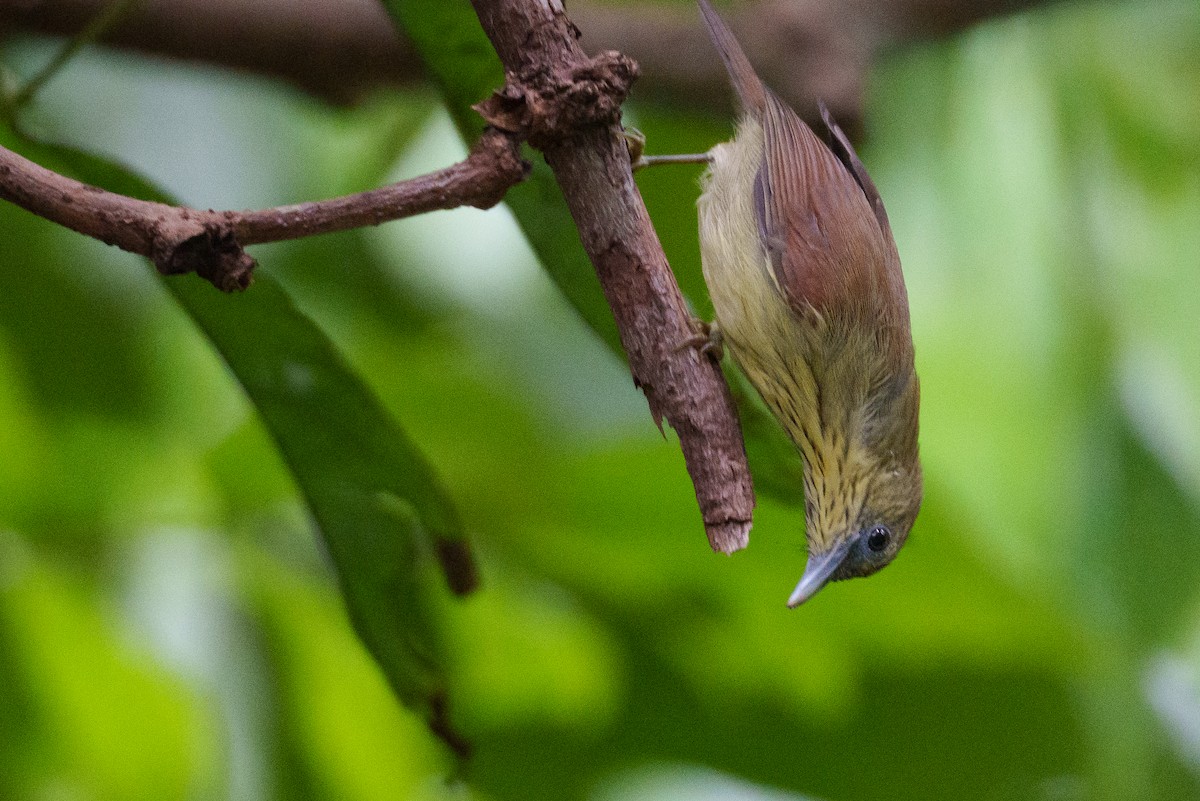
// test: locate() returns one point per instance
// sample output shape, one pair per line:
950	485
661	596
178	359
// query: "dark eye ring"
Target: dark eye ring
879	538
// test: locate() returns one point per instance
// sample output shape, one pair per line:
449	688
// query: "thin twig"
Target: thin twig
569	107
181	239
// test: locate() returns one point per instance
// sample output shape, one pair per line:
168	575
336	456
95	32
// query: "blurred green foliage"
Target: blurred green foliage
171	627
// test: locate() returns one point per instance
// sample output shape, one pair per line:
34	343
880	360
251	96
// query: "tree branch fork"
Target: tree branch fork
567	105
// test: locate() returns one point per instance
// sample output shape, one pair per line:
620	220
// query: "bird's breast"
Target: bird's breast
770	342
745	293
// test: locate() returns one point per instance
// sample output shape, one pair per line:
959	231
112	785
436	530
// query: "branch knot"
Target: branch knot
213	253
547	105
500	153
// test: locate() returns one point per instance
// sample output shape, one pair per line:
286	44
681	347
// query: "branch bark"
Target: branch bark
180	239
568	106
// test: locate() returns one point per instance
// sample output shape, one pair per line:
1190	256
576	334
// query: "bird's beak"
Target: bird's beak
817	572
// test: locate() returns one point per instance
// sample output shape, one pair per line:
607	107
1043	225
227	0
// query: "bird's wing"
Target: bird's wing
815	220
840	145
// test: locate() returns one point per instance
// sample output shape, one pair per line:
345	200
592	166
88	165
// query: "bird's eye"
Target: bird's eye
879	538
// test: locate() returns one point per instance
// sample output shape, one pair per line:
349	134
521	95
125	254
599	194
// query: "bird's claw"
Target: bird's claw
635	143
707	339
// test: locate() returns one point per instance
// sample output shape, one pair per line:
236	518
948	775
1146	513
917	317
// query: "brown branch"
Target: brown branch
180	239
339	49
335	49
569	107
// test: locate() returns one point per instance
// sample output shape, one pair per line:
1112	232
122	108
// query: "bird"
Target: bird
806	285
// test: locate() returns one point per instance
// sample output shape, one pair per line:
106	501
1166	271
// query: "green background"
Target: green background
196	519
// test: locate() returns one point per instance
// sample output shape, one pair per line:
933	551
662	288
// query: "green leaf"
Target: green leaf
463	64
373	495
78	707
338	736
375	499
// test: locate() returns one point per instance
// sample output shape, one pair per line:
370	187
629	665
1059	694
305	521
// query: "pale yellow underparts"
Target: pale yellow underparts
773	344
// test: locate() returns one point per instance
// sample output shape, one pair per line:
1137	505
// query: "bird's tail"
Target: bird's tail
746	83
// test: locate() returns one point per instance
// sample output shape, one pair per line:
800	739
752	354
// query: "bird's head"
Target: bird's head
858	512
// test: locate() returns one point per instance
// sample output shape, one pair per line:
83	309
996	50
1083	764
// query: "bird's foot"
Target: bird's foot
708	339
635	143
